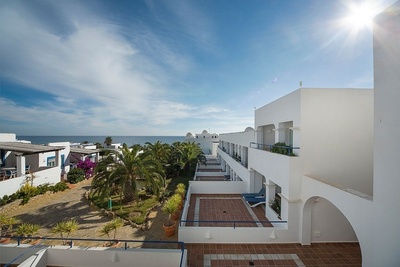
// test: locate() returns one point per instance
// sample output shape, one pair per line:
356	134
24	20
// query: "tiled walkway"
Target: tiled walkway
229	209
327	254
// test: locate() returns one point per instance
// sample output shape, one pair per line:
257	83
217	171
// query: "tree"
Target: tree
6	223
27	229
65	227
87	166
98	145
123	169
185	155
108	141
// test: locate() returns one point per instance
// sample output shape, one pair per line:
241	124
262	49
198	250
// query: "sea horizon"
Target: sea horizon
127	139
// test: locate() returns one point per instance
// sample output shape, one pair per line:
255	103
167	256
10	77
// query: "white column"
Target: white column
20	166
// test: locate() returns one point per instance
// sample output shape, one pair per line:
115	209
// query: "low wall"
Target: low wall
217	187
47	176
99	257
236	235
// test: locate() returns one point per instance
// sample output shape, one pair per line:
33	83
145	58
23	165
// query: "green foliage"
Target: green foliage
170	207
275	204
106	230
282	148
65	228
27	191
27	229
58	187
75	175
6	223
181	190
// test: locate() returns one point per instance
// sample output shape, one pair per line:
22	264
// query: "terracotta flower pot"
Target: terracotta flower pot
169	230
35	241
5	240
175	216
112	244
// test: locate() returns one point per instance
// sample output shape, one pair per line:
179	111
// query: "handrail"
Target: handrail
270	147
234	222
126	241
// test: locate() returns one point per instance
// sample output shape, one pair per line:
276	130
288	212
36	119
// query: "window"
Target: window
51	161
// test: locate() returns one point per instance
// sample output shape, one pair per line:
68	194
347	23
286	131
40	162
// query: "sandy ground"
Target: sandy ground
46	210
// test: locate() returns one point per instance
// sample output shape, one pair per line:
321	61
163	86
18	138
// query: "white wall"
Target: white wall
239	138
384	246
284	109
97	257
8	137
337	135
329	224
10	186
217	187
355	208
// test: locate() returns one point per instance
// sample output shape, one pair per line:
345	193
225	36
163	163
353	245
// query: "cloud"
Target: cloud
102	77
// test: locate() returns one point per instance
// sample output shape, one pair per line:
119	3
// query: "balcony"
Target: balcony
279	168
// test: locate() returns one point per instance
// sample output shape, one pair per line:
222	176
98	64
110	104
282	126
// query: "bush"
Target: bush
60	186
41	189
26	191
75	175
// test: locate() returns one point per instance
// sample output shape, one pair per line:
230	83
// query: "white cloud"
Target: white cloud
100	82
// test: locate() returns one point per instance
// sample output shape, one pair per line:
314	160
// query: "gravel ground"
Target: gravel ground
46	210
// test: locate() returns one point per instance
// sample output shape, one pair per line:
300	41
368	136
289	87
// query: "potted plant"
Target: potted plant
27	230
178	199
170	207
6	223
181	190
65	227
108	228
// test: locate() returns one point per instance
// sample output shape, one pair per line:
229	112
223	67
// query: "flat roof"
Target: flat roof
27	148
83	150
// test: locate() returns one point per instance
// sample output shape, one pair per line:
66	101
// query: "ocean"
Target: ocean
129	140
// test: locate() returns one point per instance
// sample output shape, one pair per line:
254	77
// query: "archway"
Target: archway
322	221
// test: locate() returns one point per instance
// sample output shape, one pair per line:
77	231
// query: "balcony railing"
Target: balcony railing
233	224
279	148
235	157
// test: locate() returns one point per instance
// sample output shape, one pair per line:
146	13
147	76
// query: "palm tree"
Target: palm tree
159	151
108	141
176	162
124	169
185	155
6	223
192	155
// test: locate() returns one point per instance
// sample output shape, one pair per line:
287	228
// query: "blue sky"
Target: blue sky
169	67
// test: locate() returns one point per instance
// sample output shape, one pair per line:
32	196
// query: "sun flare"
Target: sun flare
360	16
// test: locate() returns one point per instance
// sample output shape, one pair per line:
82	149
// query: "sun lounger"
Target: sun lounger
255	199
261	193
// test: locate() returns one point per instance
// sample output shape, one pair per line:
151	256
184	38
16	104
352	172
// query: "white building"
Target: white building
208	141
342	184
340	180
48	164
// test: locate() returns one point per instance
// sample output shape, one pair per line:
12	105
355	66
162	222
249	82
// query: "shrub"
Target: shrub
60	186
275	204
27	191
75	175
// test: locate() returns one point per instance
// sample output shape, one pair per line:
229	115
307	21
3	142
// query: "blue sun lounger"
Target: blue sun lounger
255	201
261	193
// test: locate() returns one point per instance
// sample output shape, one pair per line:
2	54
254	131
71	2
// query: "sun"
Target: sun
360	16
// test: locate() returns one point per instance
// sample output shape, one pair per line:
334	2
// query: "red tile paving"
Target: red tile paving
321	254
228	208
